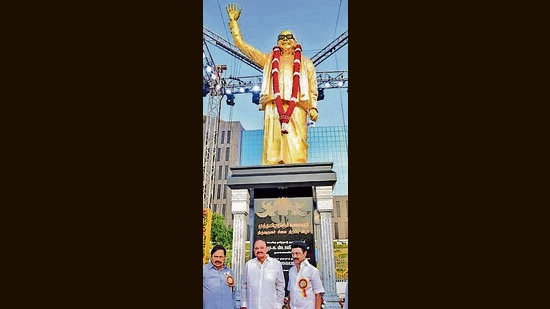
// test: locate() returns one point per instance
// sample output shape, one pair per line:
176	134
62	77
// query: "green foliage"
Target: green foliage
220	234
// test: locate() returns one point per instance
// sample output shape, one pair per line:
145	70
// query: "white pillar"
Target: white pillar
326	252
240	205
317	237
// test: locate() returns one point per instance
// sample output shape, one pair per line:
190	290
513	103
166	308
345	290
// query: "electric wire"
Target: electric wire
340	90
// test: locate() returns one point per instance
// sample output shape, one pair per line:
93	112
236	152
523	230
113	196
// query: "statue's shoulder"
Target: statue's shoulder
306	59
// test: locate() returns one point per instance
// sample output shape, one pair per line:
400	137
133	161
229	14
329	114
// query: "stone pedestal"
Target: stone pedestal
320	180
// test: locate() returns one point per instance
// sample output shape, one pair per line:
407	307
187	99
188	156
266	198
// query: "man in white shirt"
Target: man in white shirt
263	281
304	280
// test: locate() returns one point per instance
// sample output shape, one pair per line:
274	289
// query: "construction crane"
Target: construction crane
218	86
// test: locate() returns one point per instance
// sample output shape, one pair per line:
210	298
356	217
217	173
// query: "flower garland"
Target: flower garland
284	117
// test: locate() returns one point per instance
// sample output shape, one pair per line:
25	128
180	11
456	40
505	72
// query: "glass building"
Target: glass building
325	144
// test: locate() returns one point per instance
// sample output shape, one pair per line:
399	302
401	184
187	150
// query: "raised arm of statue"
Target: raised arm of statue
233	12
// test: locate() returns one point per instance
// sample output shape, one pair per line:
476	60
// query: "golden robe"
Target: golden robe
281	148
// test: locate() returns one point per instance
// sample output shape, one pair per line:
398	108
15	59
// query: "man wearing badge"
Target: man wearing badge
218	283
304	280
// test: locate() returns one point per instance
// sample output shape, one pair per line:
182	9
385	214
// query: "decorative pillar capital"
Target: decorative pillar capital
324	198
240	201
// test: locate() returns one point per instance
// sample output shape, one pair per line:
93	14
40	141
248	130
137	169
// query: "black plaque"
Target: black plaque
280	221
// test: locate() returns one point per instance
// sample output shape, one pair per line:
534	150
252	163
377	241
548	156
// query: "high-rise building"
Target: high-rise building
239	147
227	154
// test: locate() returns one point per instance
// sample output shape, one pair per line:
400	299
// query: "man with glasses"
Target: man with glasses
288	94
263	281
304	280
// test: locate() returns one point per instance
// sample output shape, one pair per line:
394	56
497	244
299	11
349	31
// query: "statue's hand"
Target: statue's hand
233	11
313	115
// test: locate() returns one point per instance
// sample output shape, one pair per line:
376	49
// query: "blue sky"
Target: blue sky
315	23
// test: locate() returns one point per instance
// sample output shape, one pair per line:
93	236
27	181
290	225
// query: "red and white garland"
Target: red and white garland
284	117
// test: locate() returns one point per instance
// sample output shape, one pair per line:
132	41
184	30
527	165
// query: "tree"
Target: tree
220	234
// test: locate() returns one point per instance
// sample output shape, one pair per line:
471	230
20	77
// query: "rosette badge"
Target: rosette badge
230	281
302	284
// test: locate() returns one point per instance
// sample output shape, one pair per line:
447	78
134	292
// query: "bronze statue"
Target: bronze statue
288	94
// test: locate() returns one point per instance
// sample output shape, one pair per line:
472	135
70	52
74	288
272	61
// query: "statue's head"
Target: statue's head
286	41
